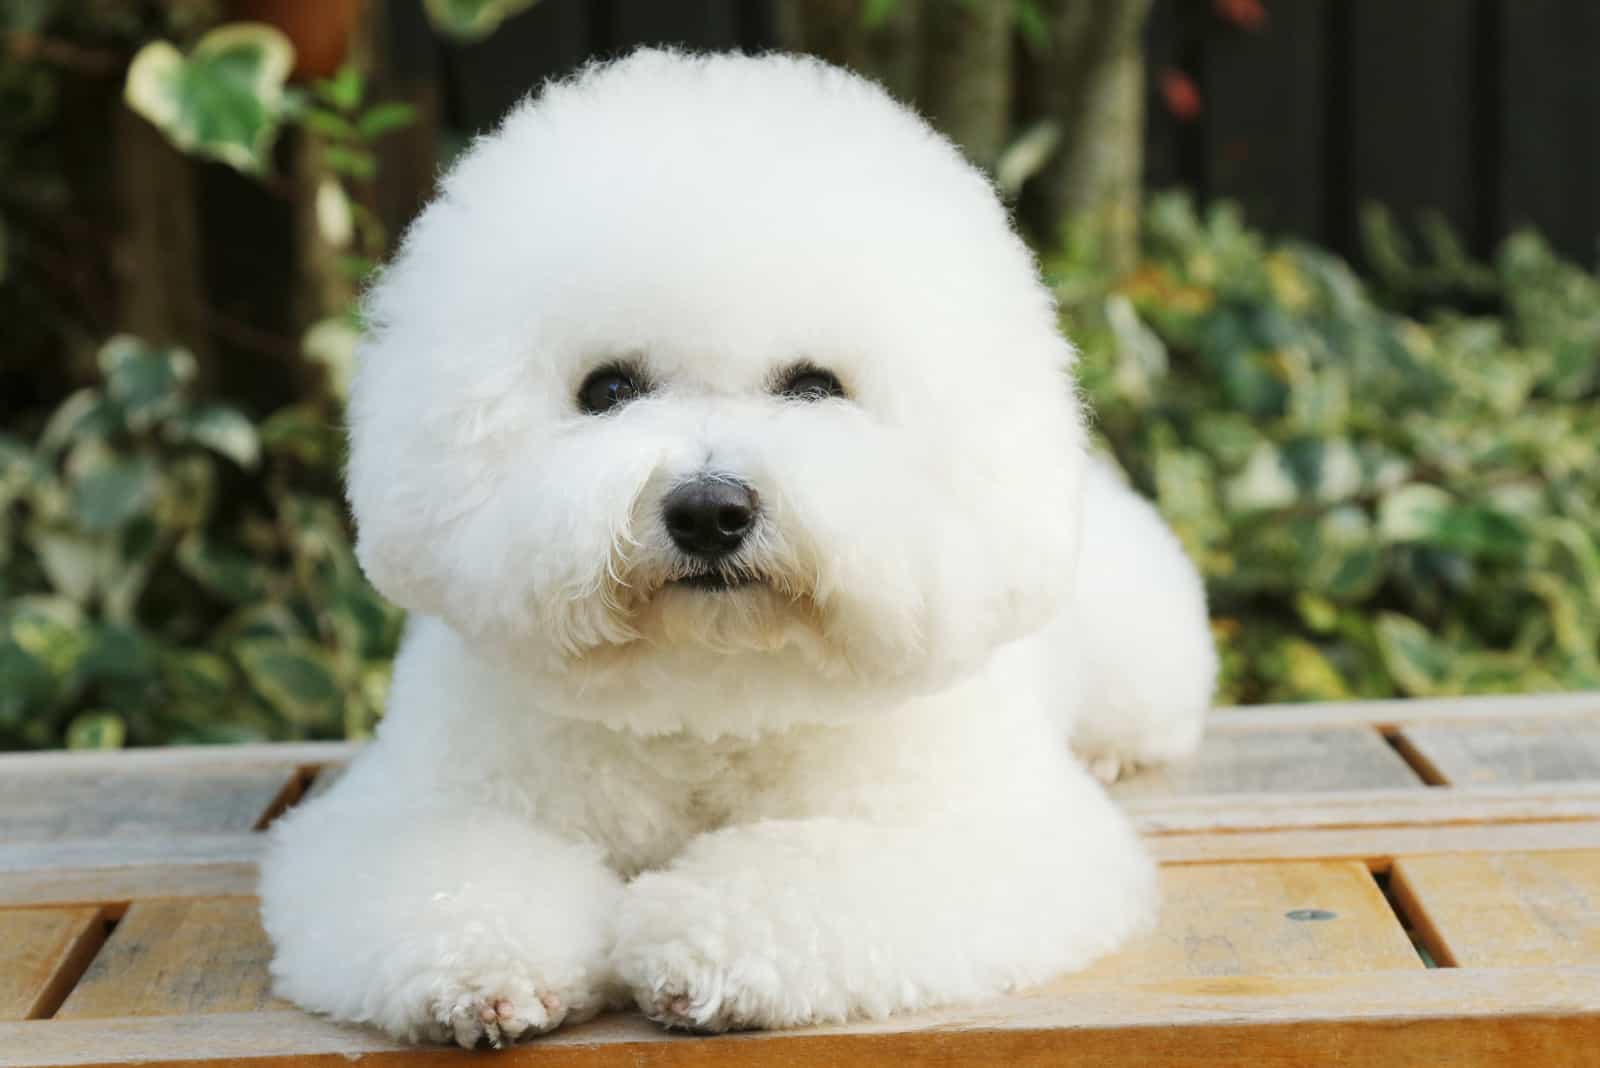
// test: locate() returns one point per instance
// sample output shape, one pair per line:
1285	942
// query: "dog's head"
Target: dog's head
717	393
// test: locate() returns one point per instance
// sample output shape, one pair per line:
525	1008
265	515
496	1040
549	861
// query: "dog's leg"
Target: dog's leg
1133	662
786	922
435	920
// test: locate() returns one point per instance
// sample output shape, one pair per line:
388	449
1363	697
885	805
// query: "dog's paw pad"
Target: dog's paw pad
1108	769
683	1012
478	1020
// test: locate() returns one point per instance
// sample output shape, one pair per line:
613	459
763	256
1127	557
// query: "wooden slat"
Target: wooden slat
1357	825
1163	43
46	803
121	869
1458	1017
216	759
1375	845
1527	751
1257	762
1262	920
41	952
178	958
1264	98
1390	714
1413	87
1504	911
1366	808
1549	122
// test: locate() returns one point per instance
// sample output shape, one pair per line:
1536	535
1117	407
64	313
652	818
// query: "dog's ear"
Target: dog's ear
392	478
1032	490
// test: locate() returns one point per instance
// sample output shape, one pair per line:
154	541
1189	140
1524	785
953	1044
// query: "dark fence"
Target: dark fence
1487	111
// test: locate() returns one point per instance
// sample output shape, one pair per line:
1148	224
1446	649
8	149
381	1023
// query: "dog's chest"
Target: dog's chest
643	799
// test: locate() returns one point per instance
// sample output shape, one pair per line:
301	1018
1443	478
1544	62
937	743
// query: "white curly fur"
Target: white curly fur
842	791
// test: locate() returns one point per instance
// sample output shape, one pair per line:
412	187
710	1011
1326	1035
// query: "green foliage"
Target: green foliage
171	572
1382	503
472	20
224	99
347	129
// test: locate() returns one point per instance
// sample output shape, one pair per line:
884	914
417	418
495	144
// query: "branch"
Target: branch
25	46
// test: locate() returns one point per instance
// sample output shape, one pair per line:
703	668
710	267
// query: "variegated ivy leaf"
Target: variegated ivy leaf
147	382
472	20
224	100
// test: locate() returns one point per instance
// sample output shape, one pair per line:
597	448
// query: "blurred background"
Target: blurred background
1330	263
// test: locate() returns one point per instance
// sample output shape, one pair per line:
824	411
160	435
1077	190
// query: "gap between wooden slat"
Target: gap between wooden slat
1412	920
1415	759
1409	908
294	788
77	962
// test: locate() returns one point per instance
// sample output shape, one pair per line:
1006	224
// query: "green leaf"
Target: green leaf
224	100
1266	483
224	569
329	124
472	20
332	343
96	730
27	685
198	679
147	382
875	13
1412	512
50	630
384	118
344	90
70	561
113	493
85	413
304	432
1033	25
296	679
355	163
1418	663
222	430
1309	674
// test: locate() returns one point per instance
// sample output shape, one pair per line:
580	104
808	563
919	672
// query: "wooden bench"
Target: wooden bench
1388	883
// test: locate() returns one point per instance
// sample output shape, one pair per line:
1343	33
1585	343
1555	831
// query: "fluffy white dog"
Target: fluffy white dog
715	427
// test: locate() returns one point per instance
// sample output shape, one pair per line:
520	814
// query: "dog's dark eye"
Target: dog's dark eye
809	383
608	388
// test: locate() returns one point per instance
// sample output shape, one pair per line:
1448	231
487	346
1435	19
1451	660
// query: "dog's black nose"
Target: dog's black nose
709	516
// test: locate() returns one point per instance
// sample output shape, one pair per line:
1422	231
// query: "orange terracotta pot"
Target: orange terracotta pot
320	29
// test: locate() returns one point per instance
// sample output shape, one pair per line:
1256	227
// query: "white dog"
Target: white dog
715	428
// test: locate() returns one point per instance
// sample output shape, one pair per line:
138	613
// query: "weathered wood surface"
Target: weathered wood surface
1391	714
1377	846
1457	1017
41	952
1261	920
1542	803
1529	750
178	958
50	804
1505	910
1276	945
126	869
1265	762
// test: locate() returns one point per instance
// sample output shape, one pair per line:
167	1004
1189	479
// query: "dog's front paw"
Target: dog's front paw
695	960
1110	767
496	1009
